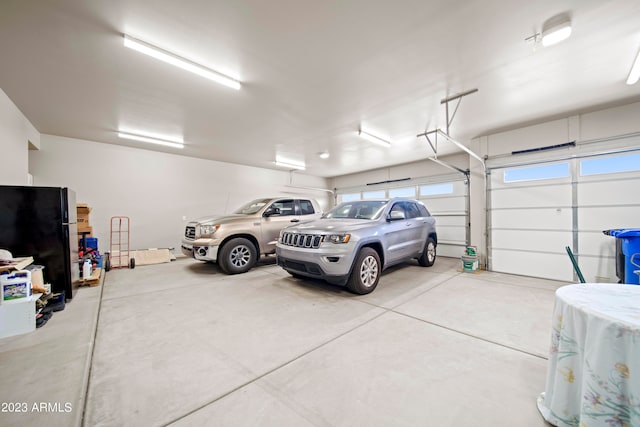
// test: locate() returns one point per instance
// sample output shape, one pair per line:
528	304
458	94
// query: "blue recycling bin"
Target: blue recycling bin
629	244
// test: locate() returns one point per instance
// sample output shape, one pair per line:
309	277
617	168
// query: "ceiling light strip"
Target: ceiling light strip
150	140
634	74
373	138
289	165
185	64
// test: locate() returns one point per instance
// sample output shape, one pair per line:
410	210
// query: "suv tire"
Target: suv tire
366	272
428	256
237	256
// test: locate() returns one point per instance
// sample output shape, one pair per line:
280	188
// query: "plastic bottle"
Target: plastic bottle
86	269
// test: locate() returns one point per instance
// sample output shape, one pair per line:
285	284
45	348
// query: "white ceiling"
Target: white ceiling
313	72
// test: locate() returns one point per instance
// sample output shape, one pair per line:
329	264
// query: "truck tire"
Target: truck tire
237	256
428	256
366	272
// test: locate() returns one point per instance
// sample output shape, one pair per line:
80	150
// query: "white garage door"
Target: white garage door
446	197
539	209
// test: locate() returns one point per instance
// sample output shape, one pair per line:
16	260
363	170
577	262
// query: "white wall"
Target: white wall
156	190
15	134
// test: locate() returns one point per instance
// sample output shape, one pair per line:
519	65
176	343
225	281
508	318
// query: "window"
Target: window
412	210
286	207
373	194
435	189
306	207
534	173
350	197
614	164
403	192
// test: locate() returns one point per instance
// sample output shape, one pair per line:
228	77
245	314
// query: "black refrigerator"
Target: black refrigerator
41	222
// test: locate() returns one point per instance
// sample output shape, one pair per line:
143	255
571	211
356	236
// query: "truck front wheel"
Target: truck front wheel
237	256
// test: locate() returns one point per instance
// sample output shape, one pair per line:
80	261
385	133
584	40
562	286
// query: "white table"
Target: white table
593	376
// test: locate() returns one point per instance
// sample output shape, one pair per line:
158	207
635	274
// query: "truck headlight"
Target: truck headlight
207	230
337	238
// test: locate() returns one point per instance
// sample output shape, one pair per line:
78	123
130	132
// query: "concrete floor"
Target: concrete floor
183	344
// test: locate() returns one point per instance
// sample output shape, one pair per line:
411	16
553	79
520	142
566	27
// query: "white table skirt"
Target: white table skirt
593	376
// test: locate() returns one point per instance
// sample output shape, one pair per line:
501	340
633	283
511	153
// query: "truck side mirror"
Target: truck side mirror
272	210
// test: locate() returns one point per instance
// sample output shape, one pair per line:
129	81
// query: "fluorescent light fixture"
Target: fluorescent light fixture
185	64
634	74
175	143
372	138
556	29
289	165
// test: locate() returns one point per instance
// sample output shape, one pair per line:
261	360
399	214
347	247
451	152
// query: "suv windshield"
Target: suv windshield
252	207
365	209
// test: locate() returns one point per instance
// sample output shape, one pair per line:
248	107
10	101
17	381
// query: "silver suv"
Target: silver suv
235	241
353	242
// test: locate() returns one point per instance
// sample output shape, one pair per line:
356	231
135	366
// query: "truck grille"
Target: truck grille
301	240
190	232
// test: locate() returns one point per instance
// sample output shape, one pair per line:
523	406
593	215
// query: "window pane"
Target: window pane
349	197
556	170
435	189
616	164
286	207
373	194
403	192
306	207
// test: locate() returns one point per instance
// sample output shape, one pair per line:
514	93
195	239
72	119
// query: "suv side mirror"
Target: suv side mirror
272	210
395	215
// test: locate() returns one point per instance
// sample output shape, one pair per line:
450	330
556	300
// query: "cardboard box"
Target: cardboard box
15	285
83	209
85	229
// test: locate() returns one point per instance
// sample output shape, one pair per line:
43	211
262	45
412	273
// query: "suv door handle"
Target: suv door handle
295	220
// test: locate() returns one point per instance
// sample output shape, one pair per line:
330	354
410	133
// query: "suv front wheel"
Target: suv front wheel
237	256
366	272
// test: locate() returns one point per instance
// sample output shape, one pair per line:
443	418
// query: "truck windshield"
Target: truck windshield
365	209
252	207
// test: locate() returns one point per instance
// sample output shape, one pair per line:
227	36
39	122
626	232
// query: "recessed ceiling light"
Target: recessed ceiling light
373	138
556	29
634	74
323	154
170	142
289	165
185	64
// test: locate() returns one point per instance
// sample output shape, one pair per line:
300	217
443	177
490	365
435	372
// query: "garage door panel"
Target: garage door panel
611	192
448	204
526	197
455	220
452	234
534	240
548	266
596	244
455	251
598	270
606	218
550	218
596	257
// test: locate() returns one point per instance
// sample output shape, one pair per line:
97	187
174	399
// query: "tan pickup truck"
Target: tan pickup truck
236	241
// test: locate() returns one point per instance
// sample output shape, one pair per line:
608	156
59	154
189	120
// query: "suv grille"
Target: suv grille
301	240
190	232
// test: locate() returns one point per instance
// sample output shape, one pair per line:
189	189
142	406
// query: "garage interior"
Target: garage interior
519	149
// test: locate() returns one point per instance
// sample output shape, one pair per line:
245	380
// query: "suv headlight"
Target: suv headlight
337	238
207	230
